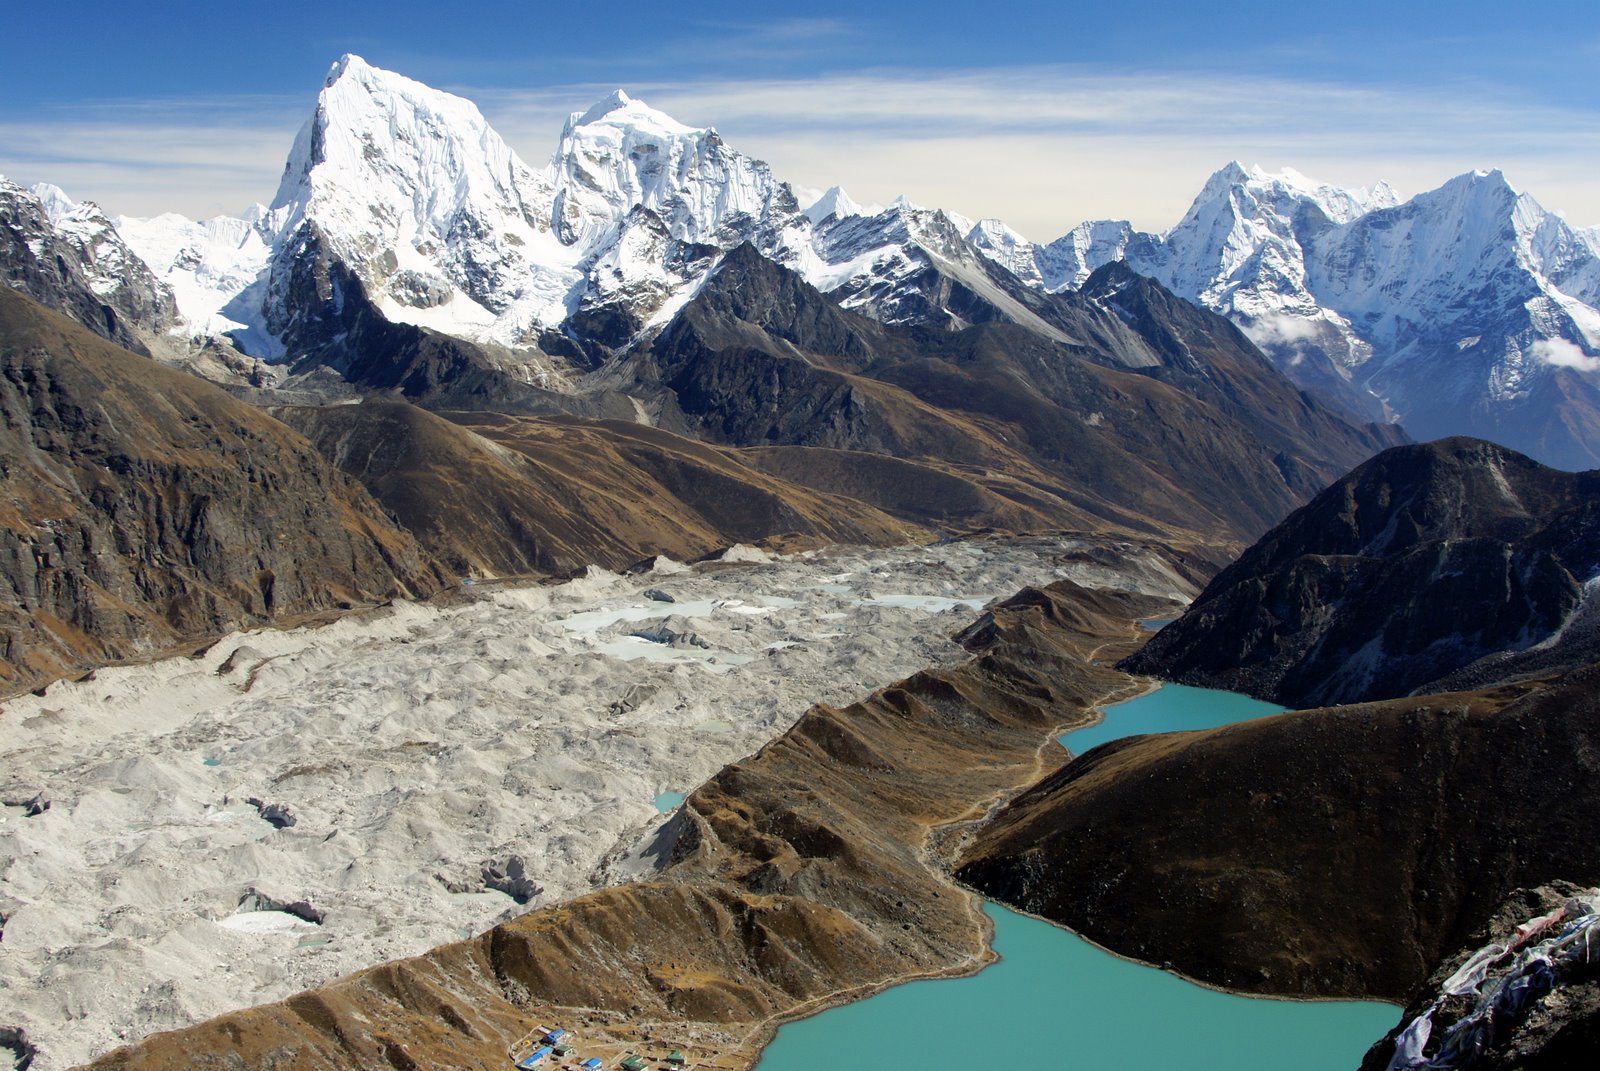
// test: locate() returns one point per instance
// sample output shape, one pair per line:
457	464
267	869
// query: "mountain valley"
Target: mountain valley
460	596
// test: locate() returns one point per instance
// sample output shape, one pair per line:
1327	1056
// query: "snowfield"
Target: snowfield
290	806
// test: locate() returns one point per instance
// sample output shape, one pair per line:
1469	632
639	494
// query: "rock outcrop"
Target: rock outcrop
1523	994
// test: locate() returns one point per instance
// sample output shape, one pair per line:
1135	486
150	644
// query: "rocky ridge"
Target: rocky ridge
69	257
1447	564
1337	852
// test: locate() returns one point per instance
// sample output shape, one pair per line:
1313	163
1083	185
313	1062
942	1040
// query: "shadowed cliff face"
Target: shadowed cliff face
1334	852
144	508
1446	564
800	876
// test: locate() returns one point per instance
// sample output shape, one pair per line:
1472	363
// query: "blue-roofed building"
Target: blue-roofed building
591	1064
536	1057
553	1037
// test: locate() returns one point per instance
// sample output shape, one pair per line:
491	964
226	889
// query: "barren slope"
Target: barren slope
141	507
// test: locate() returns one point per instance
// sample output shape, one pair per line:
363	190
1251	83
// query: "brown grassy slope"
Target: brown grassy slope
1335	852
141	508
950	497
798	876
492	494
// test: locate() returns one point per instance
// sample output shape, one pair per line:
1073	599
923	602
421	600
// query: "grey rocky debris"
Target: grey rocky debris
511	877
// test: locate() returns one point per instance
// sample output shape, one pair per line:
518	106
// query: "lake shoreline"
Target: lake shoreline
939	858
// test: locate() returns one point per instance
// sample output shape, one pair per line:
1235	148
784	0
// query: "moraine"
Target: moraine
416	773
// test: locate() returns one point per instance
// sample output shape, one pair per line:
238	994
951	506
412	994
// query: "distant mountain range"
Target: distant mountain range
652	275
1468	309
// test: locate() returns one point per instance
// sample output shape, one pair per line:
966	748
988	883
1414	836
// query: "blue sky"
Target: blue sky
1042	115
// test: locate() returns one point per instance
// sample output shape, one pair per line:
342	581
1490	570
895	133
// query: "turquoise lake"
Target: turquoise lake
1055	1000
668	800
1168	709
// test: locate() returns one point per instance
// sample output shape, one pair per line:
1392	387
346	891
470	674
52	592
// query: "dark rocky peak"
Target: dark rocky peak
1436	565
1450	489
69	257
748	289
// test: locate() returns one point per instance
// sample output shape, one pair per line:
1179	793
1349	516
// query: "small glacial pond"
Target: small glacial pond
1055	1000
666	801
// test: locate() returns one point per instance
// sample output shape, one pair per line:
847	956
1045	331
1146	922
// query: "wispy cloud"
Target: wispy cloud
1045	147
200	157
1041	146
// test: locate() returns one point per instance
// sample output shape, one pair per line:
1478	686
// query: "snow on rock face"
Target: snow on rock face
623	154
1464	274
1242	239
413	190
890	265
103	253
209	265
111	267
1009	249
69	256
412	193
1472	290
418	198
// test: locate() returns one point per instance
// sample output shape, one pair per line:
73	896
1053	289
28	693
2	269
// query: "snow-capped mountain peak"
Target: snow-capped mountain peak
835	203
1007	248
618	109
622	153
1448	309
409	191
69	255
415	192
385	158
57	205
